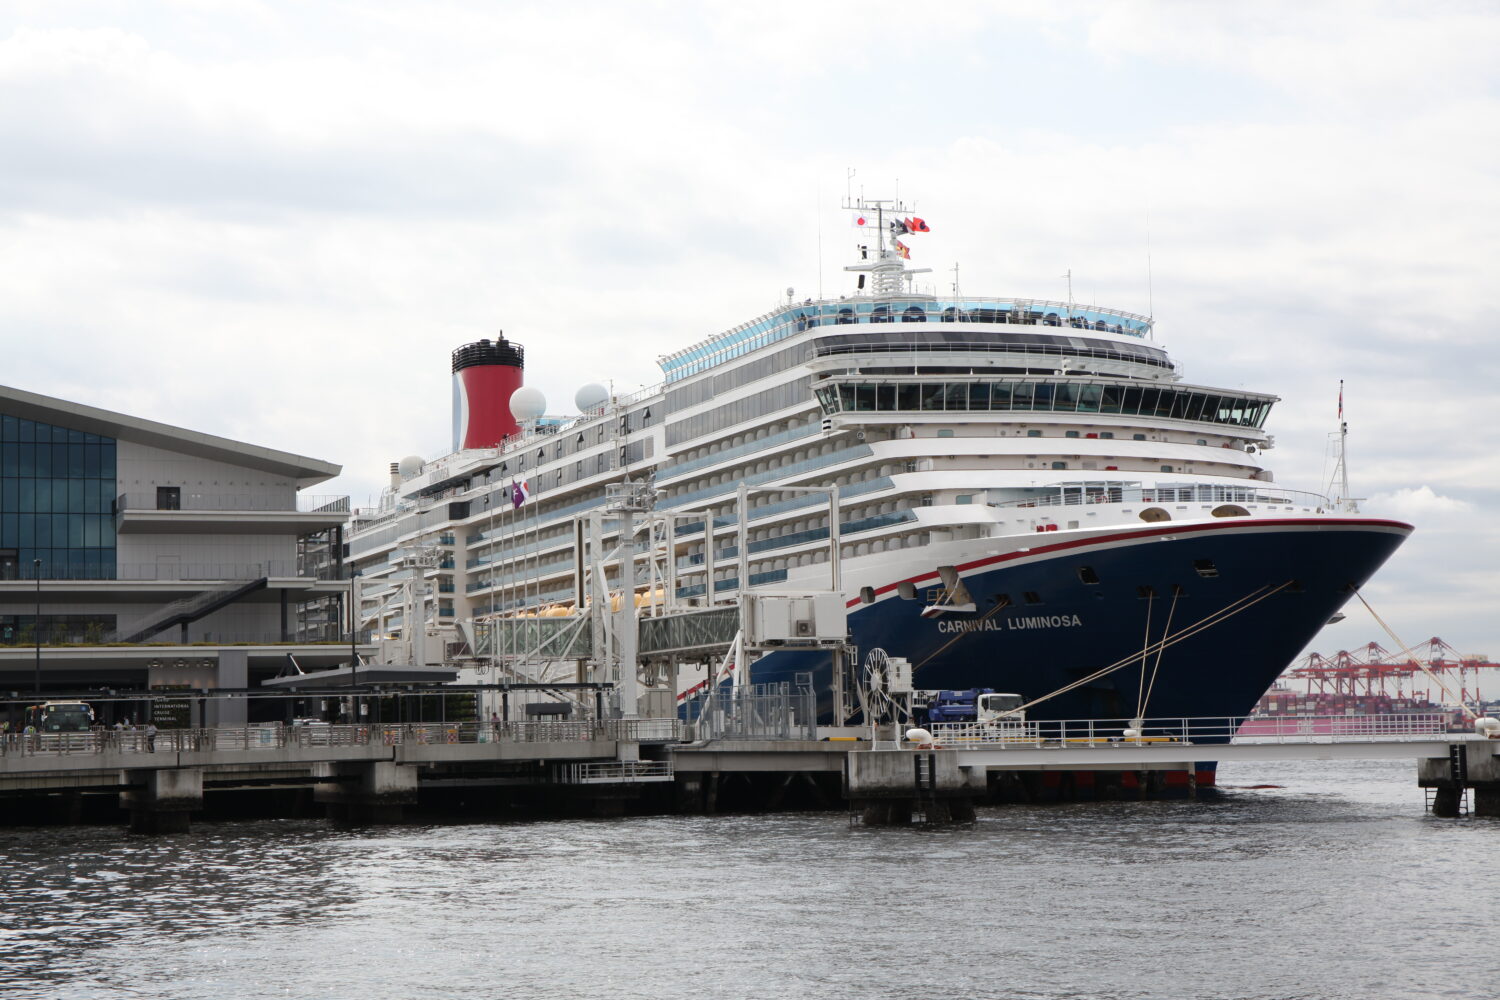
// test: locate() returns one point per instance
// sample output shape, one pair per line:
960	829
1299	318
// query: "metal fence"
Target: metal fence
781	711
1210	730
270	737
615	772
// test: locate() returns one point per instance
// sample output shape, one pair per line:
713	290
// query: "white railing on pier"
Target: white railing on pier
269	737
1206	731
615	772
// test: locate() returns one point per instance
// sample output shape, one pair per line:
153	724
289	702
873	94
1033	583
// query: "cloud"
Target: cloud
275	220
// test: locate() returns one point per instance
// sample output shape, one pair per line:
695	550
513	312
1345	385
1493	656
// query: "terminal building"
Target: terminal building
138	558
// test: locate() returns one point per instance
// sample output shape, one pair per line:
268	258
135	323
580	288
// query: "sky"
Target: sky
274	221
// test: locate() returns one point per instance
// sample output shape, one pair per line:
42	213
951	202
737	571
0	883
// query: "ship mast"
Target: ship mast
1343	501
884	263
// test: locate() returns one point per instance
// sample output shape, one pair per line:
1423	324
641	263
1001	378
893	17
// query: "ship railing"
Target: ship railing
1084	493
1189	731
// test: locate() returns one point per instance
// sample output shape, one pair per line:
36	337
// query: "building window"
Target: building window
57	501
169	498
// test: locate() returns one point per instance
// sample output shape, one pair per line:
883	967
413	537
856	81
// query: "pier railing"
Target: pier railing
1207	730
780	711
268	737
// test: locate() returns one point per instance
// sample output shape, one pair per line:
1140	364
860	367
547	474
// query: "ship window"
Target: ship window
1033	434
1032	597
1087	575
906	590
1145	592
1202	441
1106	434
1070	434
1059	465
867	595
964	498
1000	600
1205	567
945	432
1166	468
1295	587
1137	437
1178	591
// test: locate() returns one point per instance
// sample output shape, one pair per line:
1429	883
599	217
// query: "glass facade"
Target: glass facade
57	492
1169	402
777	326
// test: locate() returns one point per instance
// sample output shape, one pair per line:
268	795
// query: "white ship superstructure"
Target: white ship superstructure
964	434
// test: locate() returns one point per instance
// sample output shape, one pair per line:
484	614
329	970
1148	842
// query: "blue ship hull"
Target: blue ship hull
1287	577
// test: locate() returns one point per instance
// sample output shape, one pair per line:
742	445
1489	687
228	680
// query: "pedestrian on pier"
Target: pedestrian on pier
151	737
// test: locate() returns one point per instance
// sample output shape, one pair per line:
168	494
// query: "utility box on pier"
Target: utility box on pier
794	620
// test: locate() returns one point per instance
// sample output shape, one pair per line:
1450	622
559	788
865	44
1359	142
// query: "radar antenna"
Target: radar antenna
885	262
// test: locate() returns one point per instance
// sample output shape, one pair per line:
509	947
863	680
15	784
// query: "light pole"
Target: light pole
36	623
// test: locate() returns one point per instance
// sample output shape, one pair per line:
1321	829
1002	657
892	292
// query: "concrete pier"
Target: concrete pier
163	801
1469	766
366	791
890	788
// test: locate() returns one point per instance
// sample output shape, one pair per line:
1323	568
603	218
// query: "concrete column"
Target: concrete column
233	672
162	801
888	787
367	792
1487	801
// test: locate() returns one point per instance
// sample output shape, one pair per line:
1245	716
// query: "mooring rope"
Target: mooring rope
998	605
1140	690
1156	668
1208	621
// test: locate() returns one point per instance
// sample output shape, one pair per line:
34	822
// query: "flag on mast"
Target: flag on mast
1341	399
519	493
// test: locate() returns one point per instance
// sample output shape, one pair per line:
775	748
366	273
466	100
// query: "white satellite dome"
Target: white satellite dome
410	466
590	397
527	403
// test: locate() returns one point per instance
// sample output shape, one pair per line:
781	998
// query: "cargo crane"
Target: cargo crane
1374	672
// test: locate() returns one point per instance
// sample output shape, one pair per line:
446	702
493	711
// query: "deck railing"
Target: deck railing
1192	731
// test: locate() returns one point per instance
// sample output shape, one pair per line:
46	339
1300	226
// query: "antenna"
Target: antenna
818	214
1150	288
1345	501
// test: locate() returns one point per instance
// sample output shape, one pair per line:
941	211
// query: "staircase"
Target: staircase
187	610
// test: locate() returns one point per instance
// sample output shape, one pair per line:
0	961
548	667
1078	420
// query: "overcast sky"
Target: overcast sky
274	221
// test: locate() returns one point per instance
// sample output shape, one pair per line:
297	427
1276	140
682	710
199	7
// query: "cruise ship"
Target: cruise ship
1030	498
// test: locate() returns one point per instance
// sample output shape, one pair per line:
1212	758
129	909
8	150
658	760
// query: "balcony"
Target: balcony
175	510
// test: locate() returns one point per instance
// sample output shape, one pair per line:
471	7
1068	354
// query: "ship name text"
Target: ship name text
996	625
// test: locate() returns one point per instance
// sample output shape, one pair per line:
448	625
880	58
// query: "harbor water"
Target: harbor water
1334	885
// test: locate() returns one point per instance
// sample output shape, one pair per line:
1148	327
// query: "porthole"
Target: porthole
1087	575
